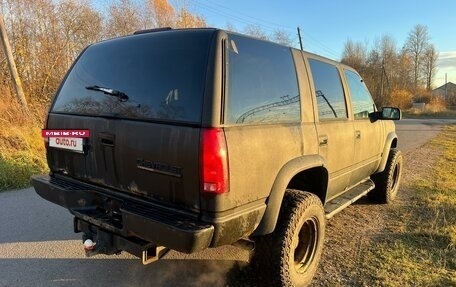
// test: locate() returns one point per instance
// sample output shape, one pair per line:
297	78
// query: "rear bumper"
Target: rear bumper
127	216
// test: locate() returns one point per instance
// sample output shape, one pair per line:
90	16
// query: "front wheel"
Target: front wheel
387	181
289	256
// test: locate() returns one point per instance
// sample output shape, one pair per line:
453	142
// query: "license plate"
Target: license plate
72	144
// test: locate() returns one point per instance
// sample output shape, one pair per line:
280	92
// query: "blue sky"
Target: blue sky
326	25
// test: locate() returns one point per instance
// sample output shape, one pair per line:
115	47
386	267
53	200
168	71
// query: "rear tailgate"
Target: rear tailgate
150	160
141	97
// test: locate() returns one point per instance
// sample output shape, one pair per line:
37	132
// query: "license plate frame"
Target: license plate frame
72	144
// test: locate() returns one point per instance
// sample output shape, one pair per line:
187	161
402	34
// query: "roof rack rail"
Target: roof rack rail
152	30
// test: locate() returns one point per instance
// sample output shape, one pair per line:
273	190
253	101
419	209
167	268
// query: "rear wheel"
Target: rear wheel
289	256
387	182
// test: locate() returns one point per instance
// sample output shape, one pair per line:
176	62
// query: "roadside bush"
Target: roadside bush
15	170
400	98
436	104
22	151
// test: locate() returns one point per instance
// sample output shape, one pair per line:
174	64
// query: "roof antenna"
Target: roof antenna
300	39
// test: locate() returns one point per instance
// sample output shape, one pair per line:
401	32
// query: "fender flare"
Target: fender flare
283	178
388	143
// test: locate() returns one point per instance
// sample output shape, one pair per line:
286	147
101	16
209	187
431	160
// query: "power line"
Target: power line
232	16
246	19
310	43
251	17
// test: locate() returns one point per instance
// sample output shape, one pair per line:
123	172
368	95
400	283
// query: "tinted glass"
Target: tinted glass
162	74
361	98
262	83
328	90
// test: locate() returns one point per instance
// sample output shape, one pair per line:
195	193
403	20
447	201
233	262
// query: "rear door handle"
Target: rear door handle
323	140
357	135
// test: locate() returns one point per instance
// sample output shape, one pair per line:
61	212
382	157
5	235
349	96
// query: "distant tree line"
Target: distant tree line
47	35
396	76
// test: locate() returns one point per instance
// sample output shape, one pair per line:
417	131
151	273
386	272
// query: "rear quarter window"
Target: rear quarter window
162	73
262	85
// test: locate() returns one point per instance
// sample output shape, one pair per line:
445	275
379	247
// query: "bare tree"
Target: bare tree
374	75
282	37
163	13
185	19
396	70
430	65
415	46
124	18
230	27
403	72
388	51
355	55
256	31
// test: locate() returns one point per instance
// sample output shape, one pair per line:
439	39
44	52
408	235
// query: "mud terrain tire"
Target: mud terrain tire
289	256
387	182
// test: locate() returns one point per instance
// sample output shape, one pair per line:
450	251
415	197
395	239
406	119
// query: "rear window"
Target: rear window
162	74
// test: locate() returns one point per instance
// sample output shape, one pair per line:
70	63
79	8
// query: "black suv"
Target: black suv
202	137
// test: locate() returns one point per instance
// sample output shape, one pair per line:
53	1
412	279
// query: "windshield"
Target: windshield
163	74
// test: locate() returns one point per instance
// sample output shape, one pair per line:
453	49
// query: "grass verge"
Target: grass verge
21	155
422	249
22	152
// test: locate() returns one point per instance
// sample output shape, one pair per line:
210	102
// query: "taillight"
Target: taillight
214	161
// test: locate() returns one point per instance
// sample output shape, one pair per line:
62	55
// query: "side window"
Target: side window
328	90
361	98
262	85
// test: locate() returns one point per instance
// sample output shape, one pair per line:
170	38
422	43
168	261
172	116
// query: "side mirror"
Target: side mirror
389	113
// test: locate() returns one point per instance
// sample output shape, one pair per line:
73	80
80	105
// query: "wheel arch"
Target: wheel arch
391	142
296	174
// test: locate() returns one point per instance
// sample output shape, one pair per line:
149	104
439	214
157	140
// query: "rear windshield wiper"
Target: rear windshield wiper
111	92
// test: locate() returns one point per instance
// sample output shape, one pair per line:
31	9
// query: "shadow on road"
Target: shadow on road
37	236
121	272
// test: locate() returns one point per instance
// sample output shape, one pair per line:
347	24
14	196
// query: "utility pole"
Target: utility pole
381	79
12	66
300	39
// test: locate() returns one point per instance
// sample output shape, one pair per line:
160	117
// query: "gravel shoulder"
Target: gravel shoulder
353	230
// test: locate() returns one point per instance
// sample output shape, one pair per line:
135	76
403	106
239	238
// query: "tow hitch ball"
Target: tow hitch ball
98	243
89	244
87	241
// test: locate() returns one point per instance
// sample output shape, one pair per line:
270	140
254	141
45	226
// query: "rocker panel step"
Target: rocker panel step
339	203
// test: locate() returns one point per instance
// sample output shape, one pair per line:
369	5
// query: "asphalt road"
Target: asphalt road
38	246
413	133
